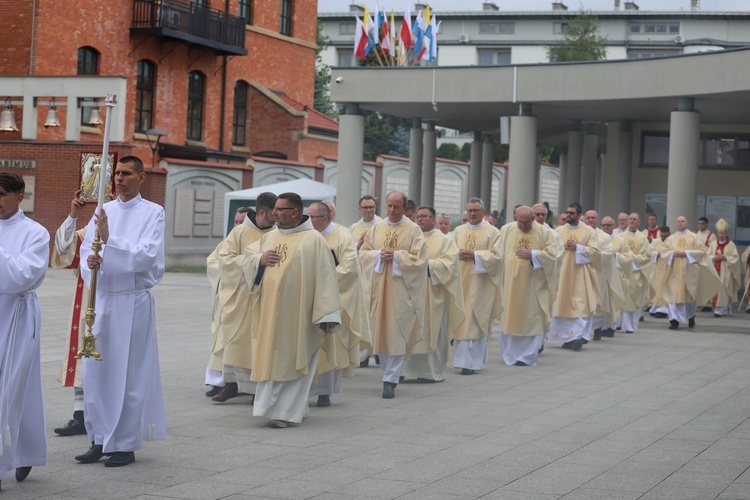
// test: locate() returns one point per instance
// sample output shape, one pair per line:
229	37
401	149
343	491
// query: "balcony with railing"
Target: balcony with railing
190	22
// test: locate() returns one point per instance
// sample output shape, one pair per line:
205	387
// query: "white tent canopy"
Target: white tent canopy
308	190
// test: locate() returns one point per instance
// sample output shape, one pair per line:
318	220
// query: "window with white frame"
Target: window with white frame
494	57
496	28
654	28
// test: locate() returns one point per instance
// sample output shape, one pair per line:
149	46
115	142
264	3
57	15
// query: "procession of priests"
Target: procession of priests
300	302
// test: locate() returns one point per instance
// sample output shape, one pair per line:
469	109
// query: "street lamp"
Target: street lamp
154	145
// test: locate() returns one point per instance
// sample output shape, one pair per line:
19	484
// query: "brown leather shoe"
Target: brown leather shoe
228	392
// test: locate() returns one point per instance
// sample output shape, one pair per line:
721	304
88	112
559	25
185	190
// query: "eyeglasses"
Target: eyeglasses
367	207
605	225
571	213
474	210
423	216
279	209
540	214
316	216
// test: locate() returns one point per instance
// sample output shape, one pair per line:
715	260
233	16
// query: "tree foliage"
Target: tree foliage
322	95
581	40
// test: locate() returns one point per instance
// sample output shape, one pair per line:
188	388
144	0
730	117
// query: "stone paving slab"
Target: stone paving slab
657	415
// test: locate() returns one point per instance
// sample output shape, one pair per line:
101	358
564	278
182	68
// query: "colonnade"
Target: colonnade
600	180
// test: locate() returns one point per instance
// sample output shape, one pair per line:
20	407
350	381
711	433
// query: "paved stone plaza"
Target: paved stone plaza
661	414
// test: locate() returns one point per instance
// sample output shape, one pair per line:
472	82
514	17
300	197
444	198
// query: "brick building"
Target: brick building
222	79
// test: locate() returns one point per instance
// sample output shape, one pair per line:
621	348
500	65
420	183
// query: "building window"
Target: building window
144	98
240	113
717	150
649	53
346	28
494	57
88	64
88	61
286	18
559	28
655	28
196	88
725	150
495	28
246	10
345	57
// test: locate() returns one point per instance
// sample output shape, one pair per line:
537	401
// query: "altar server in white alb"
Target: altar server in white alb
24	256
123	395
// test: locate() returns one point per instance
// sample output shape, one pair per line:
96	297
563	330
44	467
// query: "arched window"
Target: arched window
240	113
144	97
196	91
88	61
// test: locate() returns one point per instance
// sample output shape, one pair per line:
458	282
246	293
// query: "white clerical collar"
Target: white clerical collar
403	218
130	203
429	233
722	242
368	224
633	232
16	217
476	226
330	228
306	225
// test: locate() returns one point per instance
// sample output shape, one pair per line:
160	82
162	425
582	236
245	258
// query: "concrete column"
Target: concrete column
475	166
575	150
588	167
428	167
522	162
624	168
609	186
488	153
415	161
599	191
684	147
563	170
350	157
30	117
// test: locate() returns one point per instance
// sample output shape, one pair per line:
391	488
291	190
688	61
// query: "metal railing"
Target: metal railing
191	22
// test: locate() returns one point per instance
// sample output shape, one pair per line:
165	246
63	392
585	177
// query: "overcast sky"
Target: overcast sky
536	5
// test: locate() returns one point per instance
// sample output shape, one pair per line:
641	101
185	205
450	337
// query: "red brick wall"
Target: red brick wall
310	149
15	36
275	128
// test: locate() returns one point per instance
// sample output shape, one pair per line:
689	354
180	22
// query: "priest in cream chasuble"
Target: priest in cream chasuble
295	304
480	259
531	253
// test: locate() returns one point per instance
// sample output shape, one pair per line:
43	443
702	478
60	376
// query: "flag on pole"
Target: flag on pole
385	37
361	40
370	30
406	35
435	29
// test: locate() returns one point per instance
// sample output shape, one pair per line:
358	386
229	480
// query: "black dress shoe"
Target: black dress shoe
229	391
72	428
324	401
576	344
520	363
91	456
389	390
629	331
673	324
120	459
597	334
365	363
539	351
717	315
691	322
215	389
22	473
661	315
706	309
427	381
377	360
466	371
608	333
